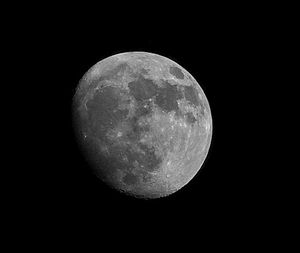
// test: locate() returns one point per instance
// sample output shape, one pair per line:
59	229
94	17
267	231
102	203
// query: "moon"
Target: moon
143	123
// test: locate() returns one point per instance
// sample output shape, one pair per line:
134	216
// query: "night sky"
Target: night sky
212	64
219	55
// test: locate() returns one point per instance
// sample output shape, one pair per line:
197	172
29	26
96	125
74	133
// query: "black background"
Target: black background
213	58
222	55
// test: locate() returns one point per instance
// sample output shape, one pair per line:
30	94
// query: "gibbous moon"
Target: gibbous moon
143	123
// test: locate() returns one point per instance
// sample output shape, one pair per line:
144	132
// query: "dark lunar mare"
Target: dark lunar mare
175	71
142	89
101	117
167	98
104	115
191	95
130	179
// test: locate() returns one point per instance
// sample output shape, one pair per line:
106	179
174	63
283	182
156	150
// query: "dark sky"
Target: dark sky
222	58
213	59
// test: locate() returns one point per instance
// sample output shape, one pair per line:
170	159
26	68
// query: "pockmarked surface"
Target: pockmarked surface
143	122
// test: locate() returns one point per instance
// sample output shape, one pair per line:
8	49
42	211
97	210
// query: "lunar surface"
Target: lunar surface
143	123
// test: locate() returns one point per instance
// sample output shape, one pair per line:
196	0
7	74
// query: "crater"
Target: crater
175	71
190	118
130	179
